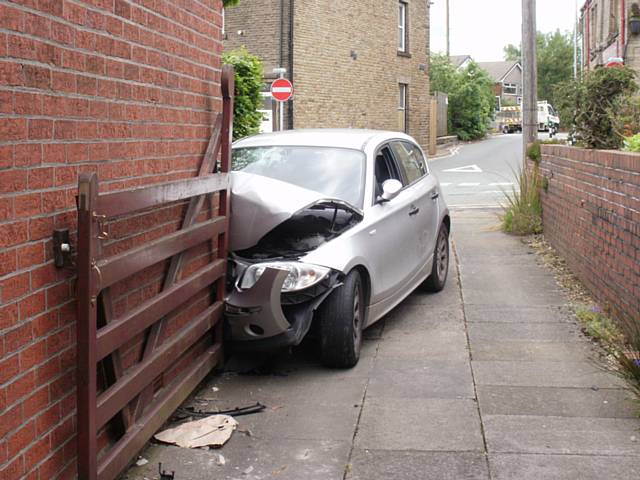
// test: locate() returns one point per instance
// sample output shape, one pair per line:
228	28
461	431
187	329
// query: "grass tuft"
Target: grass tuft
522	208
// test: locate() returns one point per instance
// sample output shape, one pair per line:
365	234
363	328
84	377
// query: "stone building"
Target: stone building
360	64
606	33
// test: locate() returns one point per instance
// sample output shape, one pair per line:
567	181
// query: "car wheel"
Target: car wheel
440	268
341	317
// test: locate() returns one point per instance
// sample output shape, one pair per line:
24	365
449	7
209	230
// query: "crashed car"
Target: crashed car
332	228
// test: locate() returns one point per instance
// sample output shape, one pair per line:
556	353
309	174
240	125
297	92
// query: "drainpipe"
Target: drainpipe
623	31
290	102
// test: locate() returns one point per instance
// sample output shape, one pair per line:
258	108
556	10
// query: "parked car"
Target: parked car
334	227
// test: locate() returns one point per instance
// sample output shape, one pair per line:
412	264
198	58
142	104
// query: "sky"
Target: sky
481	28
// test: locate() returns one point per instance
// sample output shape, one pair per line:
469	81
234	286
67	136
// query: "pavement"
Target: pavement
489	379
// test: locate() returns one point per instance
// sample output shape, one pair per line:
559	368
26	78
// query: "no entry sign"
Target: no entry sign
281	89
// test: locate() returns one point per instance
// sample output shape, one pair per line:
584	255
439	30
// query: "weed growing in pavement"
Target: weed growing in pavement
522	208
621	343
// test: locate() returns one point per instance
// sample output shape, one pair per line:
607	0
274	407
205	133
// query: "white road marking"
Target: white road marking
465	169
500	184
468	184
445	184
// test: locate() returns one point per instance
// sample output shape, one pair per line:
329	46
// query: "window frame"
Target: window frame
402	31
403	104
513	86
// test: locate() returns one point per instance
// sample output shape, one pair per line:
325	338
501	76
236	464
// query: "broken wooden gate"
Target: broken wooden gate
126	397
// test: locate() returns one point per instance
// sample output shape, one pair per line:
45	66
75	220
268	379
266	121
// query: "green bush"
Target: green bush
533	151
632	144
471	98
523	209
247	101
593	105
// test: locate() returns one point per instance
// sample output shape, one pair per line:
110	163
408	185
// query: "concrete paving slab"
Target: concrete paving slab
560	402
419	424
420	378
525	332
446	341
412	465
562	467
543	374
448	297
561	435
249	458
532	351
414	317
514	314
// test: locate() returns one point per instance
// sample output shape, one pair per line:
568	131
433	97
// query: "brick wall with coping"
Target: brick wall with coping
591	215
124	88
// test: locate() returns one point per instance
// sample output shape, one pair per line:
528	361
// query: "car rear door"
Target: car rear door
423	192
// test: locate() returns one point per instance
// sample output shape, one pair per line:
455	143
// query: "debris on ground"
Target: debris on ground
187	412
141	461
212	431
164	475
220	460
247	471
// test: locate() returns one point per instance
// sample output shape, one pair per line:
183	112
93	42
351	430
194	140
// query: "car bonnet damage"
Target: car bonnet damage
273	225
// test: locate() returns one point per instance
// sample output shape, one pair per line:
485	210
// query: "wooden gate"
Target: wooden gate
123	399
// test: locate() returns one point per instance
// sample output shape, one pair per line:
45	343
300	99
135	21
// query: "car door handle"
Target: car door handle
435	195
414	210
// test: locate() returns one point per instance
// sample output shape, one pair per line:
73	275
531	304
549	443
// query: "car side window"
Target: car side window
385	168
410	159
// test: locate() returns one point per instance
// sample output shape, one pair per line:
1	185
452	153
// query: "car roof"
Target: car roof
333	137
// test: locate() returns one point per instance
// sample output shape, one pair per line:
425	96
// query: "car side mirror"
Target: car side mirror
390	189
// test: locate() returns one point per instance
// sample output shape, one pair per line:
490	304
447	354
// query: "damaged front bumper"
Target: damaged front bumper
263	317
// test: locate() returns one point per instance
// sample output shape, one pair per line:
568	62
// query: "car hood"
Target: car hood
259	204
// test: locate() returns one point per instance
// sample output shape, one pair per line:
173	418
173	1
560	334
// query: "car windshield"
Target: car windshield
335	172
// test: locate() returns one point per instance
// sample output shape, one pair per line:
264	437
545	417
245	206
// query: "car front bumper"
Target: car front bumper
262	317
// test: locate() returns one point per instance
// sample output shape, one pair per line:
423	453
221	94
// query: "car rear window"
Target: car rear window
335	172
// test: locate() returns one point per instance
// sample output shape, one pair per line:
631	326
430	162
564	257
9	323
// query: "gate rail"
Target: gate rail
128	399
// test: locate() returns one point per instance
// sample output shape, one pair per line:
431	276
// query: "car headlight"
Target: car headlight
301	275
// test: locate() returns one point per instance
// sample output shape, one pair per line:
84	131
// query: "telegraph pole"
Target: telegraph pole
575	41
448	52
530	84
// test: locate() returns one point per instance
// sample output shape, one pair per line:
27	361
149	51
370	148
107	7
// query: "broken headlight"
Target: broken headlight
301	275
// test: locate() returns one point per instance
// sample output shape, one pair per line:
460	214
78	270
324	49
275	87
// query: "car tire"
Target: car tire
341	319
440	268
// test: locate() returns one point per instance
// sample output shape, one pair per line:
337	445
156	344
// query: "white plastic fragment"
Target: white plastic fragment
213	431
221	460
141	461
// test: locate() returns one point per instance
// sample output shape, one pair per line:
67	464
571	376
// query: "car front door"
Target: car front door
423	191
392	241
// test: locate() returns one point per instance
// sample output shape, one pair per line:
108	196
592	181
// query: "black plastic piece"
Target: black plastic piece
60	253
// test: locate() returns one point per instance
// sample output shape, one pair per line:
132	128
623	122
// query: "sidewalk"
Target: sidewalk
489	379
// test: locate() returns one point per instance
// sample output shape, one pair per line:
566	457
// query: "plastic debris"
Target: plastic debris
221	460
248	471
141	461
212	431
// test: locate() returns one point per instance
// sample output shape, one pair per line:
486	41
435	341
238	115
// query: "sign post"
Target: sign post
281	91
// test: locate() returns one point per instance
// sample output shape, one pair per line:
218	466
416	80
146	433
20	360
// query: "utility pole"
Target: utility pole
530	84
448	52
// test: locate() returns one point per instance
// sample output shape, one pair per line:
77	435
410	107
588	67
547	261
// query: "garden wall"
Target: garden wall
124	88
591	215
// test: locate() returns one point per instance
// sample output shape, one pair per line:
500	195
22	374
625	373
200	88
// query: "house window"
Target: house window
402	107
510	89
402	27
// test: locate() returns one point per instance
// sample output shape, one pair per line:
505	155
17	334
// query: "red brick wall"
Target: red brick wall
123	88
591	215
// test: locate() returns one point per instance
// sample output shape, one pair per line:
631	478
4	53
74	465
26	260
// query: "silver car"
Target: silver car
332	228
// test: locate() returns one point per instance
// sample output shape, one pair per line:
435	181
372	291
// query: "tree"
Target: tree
555	61
230	3
471	98
248	85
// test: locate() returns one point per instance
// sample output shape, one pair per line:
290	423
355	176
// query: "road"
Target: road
476	175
